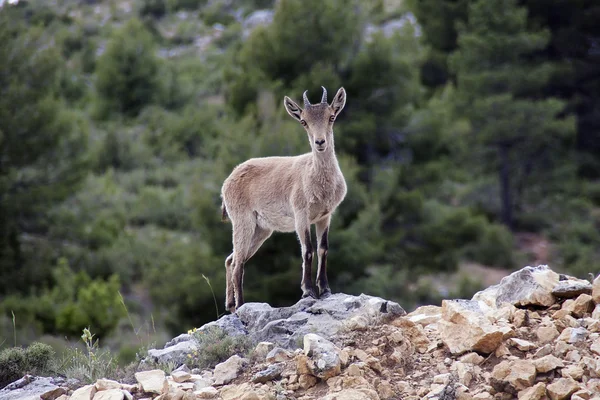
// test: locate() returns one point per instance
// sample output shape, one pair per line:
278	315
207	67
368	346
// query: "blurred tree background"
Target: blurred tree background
470	143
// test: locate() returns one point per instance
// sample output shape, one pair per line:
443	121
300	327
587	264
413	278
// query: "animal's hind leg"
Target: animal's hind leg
229	292
259	237
243	232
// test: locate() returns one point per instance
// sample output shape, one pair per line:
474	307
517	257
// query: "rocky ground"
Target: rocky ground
536	335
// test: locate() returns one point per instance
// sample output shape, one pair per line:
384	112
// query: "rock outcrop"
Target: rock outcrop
531	337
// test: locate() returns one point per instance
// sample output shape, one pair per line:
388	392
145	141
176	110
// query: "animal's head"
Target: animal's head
317	119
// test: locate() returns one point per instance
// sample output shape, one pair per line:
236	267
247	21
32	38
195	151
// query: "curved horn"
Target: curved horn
306	102
324	98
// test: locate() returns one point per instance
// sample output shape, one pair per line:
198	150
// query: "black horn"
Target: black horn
324	98
306	102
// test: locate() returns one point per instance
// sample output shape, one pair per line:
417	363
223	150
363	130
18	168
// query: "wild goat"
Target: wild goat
286	194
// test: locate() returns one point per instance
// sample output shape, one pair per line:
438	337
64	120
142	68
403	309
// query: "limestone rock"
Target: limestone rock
595	347
528	286
84	393
180	376
53	393
536	392
273	371
572	288
547	363
596	290
109	394
562	388
228	370
464	328
425	315
106	384
413	332
153	381
278	355
583	305
573	335
572	371
307	381
208	392
32	387
547	334
263	348
175	354
324	361
523	345
519	374
243	392
353	394
472	358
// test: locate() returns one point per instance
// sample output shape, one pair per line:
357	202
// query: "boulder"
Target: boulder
106	384
228	370
536	392
547	363
425	315
286	326
272	372
32	387
109	394
208	392
572	288
180	376
84	393
324	361
513	376
263	348
596	290
153	381
562	388
530	286
464	328
353	394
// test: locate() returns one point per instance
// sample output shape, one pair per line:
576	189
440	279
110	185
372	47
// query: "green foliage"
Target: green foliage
214	345
127	72
15	362
75	301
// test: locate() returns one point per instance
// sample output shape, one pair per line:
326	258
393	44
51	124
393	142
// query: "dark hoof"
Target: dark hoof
311	293
230	307
325	294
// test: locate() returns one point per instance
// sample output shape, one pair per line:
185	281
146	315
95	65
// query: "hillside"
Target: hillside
536	335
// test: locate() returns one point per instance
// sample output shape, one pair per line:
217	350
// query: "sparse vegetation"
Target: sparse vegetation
214	345
37	359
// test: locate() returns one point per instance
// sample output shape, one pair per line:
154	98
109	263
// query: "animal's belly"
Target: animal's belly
276	222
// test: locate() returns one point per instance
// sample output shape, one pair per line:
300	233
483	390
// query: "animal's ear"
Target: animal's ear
339	101
292	108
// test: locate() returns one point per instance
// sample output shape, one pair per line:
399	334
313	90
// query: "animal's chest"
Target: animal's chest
326	197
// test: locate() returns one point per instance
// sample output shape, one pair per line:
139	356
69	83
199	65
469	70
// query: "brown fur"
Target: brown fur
286	194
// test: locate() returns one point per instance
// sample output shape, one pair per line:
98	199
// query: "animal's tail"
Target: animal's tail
224	215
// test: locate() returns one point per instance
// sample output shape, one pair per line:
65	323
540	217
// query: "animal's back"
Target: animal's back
263	186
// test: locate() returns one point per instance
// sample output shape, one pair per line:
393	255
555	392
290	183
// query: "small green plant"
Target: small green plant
215	345
15	362
90	364
213	294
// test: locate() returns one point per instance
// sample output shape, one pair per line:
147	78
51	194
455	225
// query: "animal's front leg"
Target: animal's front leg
303	230
322	228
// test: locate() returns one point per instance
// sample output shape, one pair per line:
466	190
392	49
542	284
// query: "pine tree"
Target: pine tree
42	155
517	133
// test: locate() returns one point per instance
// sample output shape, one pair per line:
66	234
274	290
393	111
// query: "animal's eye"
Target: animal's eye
332	118
303	122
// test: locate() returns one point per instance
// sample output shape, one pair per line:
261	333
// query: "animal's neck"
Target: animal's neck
325	162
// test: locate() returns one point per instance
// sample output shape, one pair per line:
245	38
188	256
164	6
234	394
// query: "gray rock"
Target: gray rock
572	288
273	371
527	286
32	388
324	356
176	353
286	326
278	355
